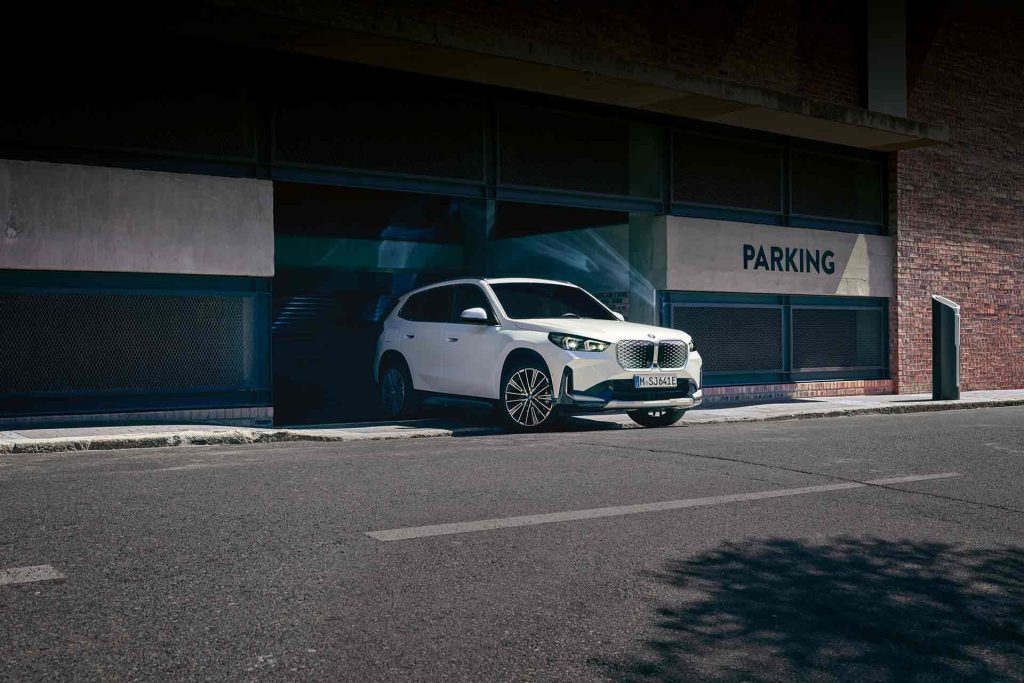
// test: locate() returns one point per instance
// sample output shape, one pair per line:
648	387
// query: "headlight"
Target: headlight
572	343
691	347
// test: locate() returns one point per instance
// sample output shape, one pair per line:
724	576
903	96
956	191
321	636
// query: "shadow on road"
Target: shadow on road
848	610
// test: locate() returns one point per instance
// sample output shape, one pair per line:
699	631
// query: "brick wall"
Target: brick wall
961	206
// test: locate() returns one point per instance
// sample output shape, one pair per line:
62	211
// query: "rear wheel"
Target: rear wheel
656	417
527	401
397	396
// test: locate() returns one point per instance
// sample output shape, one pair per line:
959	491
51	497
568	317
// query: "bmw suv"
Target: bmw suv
534	348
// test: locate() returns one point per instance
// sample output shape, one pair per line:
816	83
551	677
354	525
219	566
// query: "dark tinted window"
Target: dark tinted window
830	186
357	213
513	219
431	306
470	296
524	300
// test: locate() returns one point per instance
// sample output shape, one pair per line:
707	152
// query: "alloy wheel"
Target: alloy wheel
392	392
528	399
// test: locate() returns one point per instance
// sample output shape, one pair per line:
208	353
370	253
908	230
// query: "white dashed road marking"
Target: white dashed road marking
42	572
408	533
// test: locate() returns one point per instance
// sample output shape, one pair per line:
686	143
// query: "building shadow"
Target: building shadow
866	610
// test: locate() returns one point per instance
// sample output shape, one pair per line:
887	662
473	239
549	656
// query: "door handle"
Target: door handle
410	336
452	339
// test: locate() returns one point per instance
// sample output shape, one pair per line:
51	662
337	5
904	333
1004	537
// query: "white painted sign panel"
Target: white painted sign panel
725	256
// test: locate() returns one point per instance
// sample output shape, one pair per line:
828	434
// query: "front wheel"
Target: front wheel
527	402
656	417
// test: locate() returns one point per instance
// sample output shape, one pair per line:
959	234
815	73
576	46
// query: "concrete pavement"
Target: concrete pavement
871	547
456	422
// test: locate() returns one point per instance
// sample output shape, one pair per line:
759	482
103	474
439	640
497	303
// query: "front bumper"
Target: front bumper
613	395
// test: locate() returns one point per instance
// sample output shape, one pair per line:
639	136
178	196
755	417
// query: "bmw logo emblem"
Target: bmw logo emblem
650	336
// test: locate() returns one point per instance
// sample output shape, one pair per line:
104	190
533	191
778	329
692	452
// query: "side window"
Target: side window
436	306
411	307
470	296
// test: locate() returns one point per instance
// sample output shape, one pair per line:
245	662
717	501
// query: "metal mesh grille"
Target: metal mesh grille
836	187
672	354
733	338
541	148
838	338
720	172
390	131
70	343
635	354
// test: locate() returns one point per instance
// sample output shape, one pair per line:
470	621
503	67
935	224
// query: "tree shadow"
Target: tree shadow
847	609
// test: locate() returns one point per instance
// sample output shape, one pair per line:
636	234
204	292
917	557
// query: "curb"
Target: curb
253	436
895	409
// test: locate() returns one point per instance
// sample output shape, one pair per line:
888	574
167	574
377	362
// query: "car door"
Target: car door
421	336
471	349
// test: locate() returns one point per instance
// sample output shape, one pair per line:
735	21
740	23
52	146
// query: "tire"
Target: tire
527	399
656	417
397	396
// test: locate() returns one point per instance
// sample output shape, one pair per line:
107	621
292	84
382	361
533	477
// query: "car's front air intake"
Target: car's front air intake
672	354
635	354
640	354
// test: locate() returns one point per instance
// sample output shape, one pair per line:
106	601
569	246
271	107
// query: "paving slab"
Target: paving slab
52	440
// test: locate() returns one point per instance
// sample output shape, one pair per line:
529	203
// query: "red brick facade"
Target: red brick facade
796	390
960	230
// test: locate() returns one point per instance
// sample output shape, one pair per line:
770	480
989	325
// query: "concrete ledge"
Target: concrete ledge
24	442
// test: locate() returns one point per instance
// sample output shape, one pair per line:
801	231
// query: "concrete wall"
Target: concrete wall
90	218
723	256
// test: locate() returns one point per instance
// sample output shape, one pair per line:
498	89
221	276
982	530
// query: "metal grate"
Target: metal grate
80	343
729	173
541	148
635	354
838	338
382	130
734	338
672	355
836	187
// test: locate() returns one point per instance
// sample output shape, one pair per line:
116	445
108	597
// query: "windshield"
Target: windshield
524	300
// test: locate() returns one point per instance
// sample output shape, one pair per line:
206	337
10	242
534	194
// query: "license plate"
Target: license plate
654	381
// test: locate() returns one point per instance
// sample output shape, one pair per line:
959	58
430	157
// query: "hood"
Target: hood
603	330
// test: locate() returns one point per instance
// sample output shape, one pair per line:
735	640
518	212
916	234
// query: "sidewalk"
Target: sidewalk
152	436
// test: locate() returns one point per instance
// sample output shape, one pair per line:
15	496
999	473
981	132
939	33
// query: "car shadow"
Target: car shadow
847	609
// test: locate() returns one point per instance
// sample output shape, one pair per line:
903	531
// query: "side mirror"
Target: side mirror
474	315
619	316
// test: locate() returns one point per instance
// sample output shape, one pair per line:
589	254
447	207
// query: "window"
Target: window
470	296
514	219
527	300
357	213
432	306
716	171
552	149
836	187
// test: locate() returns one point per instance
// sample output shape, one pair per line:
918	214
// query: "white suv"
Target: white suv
535	348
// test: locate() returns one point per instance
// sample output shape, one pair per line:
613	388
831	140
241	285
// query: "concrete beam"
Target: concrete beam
466	54
93	218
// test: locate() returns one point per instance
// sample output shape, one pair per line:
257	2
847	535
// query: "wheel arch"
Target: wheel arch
520	355
388	358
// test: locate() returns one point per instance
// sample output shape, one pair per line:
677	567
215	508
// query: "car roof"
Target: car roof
489	280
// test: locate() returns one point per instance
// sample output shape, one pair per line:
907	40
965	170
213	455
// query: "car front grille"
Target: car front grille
672	355
635	354
639	354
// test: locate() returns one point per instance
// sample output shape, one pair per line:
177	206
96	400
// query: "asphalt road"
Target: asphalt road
254	562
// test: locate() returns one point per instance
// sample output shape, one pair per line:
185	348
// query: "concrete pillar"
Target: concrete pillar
887	57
